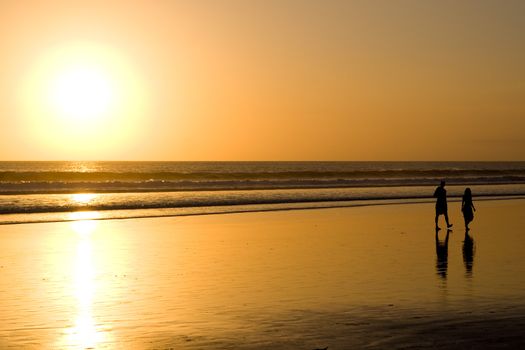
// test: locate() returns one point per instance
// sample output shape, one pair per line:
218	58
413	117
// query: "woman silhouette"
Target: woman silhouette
467	207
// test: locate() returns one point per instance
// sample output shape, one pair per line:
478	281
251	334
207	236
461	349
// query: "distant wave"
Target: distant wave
28	183
75	176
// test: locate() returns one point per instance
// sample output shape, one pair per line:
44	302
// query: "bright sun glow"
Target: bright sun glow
82	93
83	99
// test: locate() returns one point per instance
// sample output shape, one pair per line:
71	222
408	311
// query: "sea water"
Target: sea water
59	191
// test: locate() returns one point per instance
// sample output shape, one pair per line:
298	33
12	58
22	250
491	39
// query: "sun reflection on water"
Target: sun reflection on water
83	198
84	333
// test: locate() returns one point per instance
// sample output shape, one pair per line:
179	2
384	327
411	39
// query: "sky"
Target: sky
262	80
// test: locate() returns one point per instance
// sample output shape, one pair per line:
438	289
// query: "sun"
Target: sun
82	100
82	93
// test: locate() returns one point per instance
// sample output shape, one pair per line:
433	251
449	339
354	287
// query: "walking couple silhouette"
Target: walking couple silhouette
467	207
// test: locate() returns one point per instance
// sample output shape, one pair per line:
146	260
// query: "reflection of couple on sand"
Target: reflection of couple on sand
442	254
467	207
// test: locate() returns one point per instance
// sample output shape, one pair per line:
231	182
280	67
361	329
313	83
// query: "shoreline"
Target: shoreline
216	210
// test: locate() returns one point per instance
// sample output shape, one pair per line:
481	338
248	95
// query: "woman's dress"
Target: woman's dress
468	213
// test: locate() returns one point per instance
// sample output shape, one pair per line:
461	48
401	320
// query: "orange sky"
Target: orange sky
267	80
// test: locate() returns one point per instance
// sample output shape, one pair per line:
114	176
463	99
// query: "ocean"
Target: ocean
62	191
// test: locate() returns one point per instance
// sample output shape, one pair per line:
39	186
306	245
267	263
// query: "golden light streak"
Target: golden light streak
84	334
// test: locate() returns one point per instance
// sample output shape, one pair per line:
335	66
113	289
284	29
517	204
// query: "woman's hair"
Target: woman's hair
467	194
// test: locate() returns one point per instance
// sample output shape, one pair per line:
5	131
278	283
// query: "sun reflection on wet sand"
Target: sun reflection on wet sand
84	333
83	218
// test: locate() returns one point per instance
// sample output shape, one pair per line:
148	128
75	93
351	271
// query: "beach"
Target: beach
344	278
262	175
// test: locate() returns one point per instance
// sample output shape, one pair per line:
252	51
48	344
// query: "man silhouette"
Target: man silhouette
441	204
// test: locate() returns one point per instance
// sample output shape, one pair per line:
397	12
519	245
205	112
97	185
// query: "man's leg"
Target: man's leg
437	217
446	219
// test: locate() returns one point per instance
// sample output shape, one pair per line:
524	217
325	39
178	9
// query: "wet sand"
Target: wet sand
366	277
